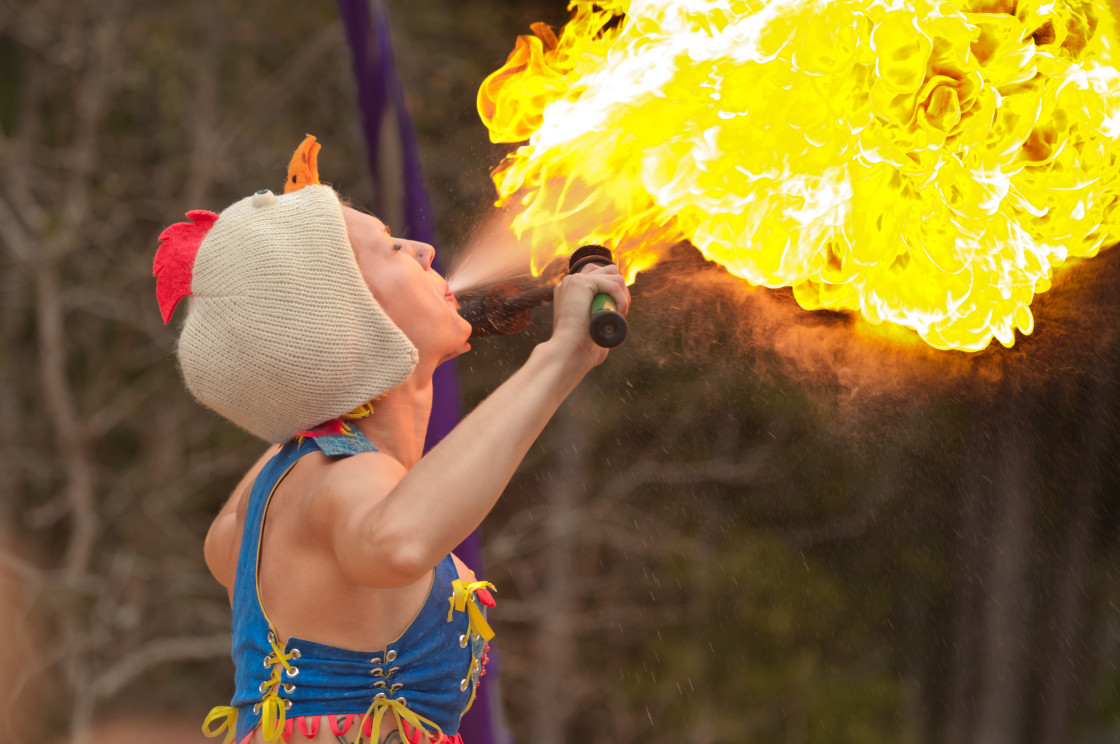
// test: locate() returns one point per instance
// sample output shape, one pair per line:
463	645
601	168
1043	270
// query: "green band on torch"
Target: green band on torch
603	302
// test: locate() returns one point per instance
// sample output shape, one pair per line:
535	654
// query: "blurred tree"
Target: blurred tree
751	523
117	117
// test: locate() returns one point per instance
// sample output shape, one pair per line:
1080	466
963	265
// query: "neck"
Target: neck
399	422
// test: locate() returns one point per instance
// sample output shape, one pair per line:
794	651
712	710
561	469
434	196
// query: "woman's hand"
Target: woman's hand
572	310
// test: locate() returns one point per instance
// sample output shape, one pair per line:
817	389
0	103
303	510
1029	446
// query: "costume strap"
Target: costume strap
351	441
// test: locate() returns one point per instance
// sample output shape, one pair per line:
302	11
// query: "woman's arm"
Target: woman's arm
394	537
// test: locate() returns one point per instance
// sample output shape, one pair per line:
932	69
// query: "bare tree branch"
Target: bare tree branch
18	240
92	95
59	400
135	664
26	572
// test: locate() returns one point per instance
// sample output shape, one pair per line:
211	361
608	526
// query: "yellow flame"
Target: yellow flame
923	163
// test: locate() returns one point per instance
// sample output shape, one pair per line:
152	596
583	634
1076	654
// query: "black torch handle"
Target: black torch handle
607	326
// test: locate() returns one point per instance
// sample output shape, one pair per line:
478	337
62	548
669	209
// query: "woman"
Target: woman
314	328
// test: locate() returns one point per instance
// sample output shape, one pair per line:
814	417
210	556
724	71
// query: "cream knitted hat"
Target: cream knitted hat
282	332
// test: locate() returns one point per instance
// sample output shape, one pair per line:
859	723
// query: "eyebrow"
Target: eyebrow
387	230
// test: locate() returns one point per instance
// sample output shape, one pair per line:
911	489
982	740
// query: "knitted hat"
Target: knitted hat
282	332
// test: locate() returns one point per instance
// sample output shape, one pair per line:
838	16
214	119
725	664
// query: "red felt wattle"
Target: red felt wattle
174	262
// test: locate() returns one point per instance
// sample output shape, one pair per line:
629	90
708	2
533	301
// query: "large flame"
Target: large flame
923	163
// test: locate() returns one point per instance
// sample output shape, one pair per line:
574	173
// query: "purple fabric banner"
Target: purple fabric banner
401	201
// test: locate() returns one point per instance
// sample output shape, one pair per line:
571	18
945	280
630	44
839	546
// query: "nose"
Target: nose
424	253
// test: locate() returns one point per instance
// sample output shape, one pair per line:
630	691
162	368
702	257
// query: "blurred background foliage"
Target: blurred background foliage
750	524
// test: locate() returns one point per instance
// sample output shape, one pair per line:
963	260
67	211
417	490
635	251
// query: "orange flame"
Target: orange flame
926	163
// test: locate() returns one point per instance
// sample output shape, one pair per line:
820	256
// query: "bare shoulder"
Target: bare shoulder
356	469
357	481
465	572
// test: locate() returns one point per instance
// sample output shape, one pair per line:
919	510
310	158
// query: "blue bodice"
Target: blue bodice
425	678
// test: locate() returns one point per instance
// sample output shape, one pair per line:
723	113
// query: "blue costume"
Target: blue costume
426	679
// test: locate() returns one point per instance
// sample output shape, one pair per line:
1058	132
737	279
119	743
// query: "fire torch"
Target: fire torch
505	310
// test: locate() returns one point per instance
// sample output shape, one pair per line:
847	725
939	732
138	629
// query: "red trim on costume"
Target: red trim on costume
337	426
485	596
309	727
418	736
485	661
345	725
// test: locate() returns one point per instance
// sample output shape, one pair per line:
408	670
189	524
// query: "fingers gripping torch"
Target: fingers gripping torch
608	327
505	309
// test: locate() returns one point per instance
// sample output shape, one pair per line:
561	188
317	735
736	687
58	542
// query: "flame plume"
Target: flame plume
923	163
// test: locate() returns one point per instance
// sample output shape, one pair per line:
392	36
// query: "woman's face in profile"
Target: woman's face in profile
400	276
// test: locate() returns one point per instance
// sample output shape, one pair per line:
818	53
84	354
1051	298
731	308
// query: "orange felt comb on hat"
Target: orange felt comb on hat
303	170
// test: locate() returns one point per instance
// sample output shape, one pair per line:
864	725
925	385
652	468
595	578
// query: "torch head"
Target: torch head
589	255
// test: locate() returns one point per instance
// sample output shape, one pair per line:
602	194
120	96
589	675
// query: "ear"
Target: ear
174	262
303	170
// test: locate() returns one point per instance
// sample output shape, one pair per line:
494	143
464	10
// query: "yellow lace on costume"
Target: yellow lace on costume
381	705
272	707
227	715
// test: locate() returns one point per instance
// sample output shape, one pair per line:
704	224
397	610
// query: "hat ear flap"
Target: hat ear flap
174	261
303	170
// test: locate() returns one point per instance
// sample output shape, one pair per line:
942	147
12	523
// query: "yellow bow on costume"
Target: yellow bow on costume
229	725
272	706
381	705
460	601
